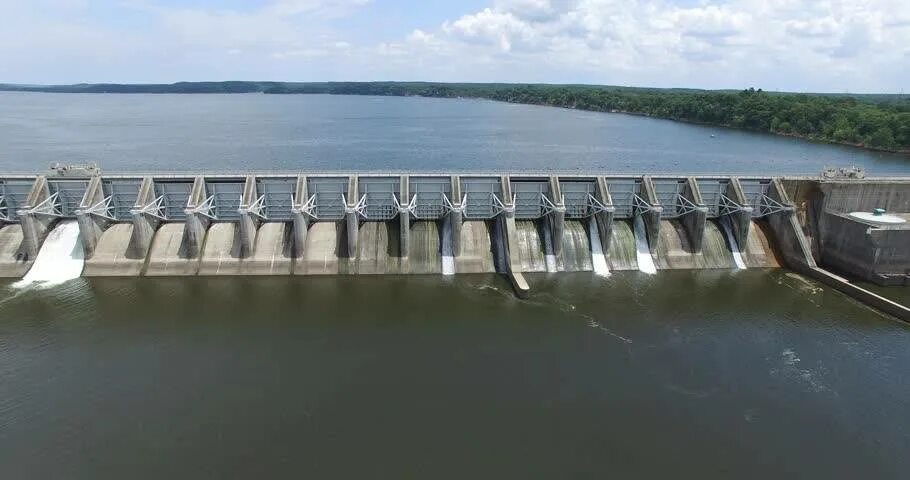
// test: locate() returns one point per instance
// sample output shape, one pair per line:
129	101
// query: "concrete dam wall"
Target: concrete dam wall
431	224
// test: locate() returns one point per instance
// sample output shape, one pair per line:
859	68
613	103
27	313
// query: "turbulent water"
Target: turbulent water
643	257
622	254
60	258
576	248
531	254
734	247
598	258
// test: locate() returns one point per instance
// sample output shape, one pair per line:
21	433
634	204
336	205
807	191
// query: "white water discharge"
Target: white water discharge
642	253
734	247
598	259
448	259
60	259
448	265
549	258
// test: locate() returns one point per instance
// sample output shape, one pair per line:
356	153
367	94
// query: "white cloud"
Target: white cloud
836	45
786	44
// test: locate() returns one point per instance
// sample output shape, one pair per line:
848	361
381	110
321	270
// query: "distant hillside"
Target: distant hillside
876	121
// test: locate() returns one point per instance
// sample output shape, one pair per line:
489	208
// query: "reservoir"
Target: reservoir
216	132
755	373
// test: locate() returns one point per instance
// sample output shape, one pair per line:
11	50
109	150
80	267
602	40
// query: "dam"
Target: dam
514	224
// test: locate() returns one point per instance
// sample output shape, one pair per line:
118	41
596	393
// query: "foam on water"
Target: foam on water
60	259
448	265
598	259
448	254
734	247
642	253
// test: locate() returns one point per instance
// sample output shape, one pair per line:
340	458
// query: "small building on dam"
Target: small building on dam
324	223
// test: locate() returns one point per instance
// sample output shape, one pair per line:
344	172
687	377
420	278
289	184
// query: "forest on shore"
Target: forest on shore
879	122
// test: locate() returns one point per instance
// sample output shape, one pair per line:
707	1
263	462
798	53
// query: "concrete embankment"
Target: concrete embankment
796	251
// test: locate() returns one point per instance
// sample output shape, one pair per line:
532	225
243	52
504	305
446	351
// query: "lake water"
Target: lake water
294	132
711	374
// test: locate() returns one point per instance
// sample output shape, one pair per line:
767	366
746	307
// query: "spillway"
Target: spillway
321	251
447	249
378	249
643	257
221	251
622	254
674	250
530	254
476	248
759	251
598	258
576	248
61	258
168	254
734	247
426	252
115	254
273	252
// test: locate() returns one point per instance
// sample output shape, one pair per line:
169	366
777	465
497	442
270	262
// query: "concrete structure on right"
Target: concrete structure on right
859	227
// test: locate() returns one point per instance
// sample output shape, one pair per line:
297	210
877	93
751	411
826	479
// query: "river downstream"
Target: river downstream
754	372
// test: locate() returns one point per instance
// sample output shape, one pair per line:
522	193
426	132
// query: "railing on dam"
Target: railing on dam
378	197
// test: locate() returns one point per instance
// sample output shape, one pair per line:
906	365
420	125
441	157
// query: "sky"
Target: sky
794	45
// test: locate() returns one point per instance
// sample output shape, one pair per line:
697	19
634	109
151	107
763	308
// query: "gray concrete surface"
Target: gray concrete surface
477	251
221	250
168	254
115	254
273	252
12	261
320	255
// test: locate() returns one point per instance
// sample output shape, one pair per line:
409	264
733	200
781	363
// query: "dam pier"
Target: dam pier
333	223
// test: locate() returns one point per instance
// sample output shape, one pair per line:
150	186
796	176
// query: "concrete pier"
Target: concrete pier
250	217
36	218
198	219
556	218
738	212
651	216
404	218
515	272
694	221
604	218
91	216
13	263
301	217
455	216
352	217
146	217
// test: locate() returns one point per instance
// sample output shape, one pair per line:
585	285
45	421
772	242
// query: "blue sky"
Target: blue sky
797	45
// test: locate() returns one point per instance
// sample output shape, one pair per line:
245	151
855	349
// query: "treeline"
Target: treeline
872	121
827	118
